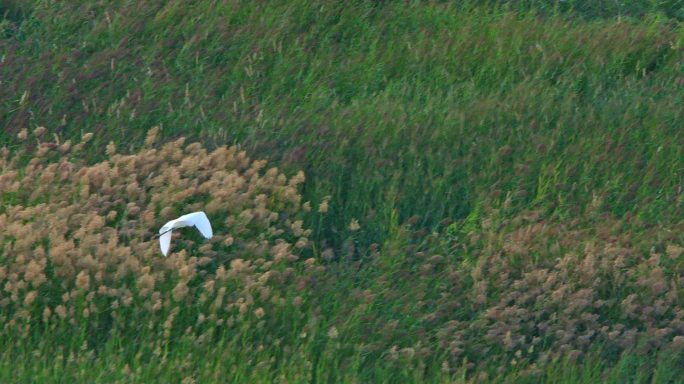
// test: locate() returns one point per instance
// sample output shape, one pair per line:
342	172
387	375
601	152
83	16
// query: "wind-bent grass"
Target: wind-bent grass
485	151
427	109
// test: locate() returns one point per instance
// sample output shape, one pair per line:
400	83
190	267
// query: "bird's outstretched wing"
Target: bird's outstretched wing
165	242
201	221
197	219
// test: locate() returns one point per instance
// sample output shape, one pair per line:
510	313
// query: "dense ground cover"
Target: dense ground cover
490	190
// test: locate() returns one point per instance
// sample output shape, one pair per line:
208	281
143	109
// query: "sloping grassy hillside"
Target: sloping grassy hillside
457	159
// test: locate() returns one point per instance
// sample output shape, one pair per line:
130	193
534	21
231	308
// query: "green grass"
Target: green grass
221	363
385	106
394	109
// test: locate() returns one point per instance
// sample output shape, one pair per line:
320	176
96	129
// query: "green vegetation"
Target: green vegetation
516	170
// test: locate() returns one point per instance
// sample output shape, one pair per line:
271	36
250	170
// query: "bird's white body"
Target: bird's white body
196	219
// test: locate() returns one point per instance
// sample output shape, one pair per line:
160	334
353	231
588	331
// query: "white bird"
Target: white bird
197	219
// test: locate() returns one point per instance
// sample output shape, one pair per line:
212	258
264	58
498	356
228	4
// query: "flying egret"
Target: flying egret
196	219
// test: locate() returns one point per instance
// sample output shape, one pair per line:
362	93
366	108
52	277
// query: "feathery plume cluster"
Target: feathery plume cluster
78	239
78	249
528	291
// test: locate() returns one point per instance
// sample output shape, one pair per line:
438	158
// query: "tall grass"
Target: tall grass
457	158
502	296
428	109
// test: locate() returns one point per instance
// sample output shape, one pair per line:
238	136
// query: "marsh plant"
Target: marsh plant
493	294
78	246
524	291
